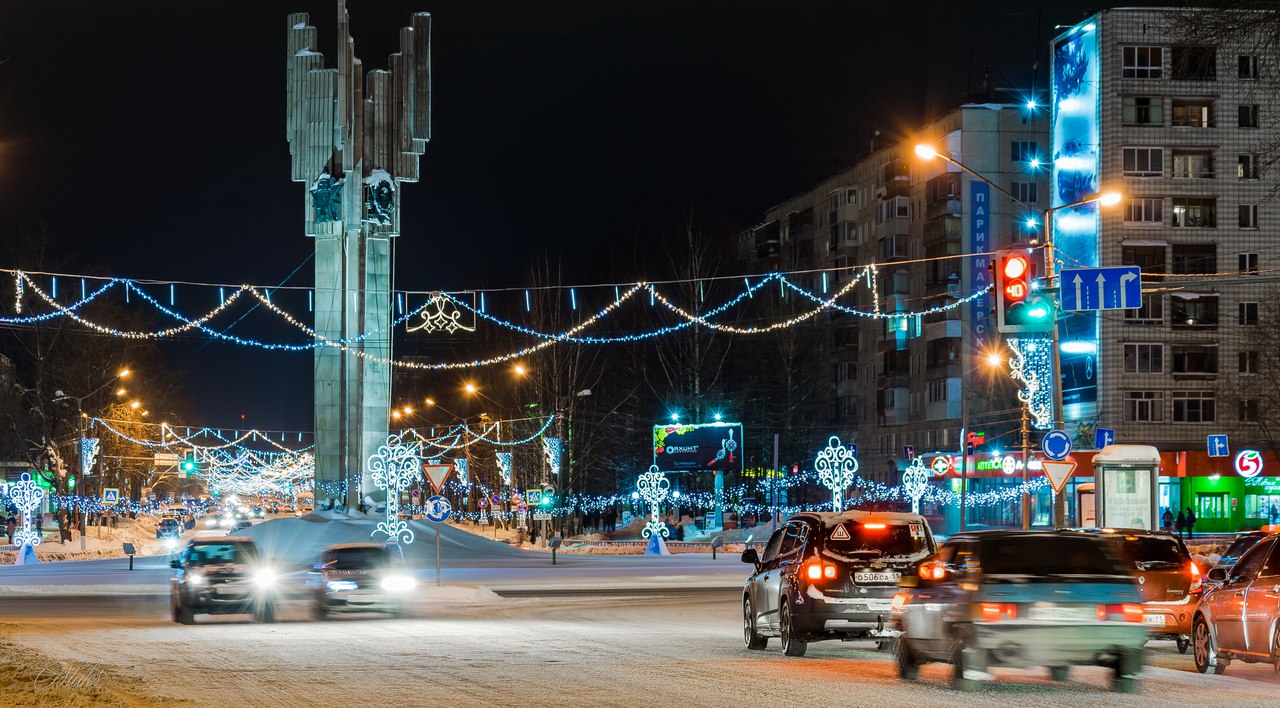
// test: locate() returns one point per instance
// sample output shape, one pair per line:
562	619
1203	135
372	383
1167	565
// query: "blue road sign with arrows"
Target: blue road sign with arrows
909	452
1218	446
1101	288
1056	444
1103	437
437	509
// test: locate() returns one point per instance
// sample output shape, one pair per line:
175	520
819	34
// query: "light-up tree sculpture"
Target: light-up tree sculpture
27	497
837	469
394	468
653	486
915	482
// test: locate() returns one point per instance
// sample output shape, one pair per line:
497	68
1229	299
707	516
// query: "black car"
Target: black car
360	577
218	576
831	576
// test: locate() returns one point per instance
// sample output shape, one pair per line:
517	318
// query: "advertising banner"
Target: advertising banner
712	446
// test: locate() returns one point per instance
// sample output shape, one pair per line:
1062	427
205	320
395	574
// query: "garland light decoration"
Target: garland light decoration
653	486
26	495
1033	366
551	448
504	467
837	469
915	482
394	468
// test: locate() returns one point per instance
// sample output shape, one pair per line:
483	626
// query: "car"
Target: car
1169	582
831	576
235	527
168	528
360	577
223	575
1238	619
1022	599
1242	543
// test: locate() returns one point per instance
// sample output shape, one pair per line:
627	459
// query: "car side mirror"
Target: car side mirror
1217	575
175	563
751	556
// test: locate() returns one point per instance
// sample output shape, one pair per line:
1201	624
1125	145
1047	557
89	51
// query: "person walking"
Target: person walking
1181	522
1168	520
1191	522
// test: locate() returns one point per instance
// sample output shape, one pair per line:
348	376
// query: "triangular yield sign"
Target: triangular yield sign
1058	473
840	534
437	474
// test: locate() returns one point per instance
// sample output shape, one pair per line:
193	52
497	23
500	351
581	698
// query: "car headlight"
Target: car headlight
264	578
195	579
171	543
340	585
397	583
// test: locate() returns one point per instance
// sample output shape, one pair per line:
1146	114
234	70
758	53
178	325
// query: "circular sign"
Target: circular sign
496	499
939	466
1248	463
523	507
437	509
1056	444
1009	465
482	502
516	499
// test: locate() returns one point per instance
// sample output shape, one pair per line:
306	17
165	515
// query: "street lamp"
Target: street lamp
927	152
79	510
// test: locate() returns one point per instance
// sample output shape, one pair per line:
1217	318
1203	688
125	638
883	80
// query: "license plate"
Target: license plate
1156	620
230	590
865	578
1061	614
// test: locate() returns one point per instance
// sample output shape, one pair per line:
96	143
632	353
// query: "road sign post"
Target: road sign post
1056	444
437	510
1101	288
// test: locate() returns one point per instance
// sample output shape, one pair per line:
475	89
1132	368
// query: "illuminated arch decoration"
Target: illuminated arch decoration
26	495
915	483
504	467
653	487
1032	364
394	468
440	314
837	469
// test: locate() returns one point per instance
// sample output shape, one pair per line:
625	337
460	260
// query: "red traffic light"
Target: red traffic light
1015	266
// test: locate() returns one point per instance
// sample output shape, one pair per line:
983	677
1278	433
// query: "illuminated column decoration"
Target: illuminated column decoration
653	486
915	482
837	469
27	497
88	454
461	465
394	468
1032	365
551	448
504	467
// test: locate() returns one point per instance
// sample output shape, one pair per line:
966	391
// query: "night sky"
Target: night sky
147	138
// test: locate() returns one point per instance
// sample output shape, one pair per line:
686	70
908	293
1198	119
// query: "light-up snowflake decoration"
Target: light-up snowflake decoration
652	487
88	454
504	467
461	465
1032	364
837	468
551	448
440	314
26	495
394	468
915	483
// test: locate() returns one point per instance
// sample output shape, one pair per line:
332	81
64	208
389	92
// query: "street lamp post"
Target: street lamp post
79	511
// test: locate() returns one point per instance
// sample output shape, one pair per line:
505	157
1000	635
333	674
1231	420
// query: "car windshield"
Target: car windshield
1242	544
221	553
1046	555
854	540
1154	552
356	559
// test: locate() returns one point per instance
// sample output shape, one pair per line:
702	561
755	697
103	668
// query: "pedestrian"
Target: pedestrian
1191	522
1274	514
1181	522
1168	520
11	527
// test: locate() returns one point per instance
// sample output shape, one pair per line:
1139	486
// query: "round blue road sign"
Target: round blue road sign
1056	444
437	509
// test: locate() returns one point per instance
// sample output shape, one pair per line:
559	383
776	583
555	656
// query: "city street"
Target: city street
675	647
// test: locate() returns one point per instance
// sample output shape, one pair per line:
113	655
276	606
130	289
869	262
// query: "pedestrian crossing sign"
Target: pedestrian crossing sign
840	534
110	495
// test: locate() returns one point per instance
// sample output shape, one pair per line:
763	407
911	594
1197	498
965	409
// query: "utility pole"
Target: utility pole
80	507
1026	455
964	454
773	483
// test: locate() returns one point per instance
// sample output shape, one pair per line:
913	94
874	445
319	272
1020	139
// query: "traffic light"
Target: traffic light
188	464
1019	308
548	495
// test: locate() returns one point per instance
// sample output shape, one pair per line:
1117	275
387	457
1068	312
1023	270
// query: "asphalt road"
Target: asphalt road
667	647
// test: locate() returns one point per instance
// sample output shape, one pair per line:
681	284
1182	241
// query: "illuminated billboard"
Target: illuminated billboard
711	446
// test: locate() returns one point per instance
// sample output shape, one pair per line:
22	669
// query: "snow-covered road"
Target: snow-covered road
671	649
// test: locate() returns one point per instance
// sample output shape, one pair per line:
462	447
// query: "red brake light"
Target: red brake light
817	570
1196	579
994	611
874	526
1128	612
814	571
933	571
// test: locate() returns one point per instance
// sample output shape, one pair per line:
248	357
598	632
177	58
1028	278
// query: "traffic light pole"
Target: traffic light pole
1059	417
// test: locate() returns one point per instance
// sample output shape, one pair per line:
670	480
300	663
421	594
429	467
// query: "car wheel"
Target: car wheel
908	667
753	639
1059	673
1127	671
1184	643
1206	655
959	665
1275	651
181	613
791	644
266	613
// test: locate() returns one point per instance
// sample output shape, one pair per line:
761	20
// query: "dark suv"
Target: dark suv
360	577
831	576
223	575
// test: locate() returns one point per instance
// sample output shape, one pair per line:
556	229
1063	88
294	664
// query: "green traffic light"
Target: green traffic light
546	500
71	483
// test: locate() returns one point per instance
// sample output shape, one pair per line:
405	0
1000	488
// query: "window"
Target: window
1192	63
1246	166
1152	310
1144	358
1192	164
1195	359
1025	192
894	208
1195	258
1248	66
937	390
1193	407
1195	212
1248	116
1248	263
1248	216
1144	210
1143	406
1143	162
1024	151
1247	362
1193	112
1143	110
1213	505
1148	258
1142	62
1192	310
1248	410
1248	313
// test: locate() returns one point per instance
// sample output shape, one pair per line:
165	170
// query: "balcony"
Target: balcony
894	248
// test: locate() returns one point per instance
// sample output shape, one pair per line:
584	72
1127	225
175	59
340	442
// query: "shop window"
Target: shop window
1214	505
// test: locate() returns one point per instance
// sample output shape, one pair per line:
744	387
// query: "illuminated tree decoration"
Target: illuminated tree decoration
461	465
551	448
1033	366
504	467
394	468
837	469
915	483
88	454
440	314
652	486
26	495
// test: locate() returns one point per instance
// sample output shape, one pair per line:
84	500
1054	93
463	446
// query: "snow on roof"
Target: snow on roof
830	519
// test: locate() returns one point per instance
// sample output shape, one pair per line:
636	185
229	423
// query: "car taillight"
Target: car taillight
933	571
1196	580
899	601
994	611
874	526
817	570
1128	612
